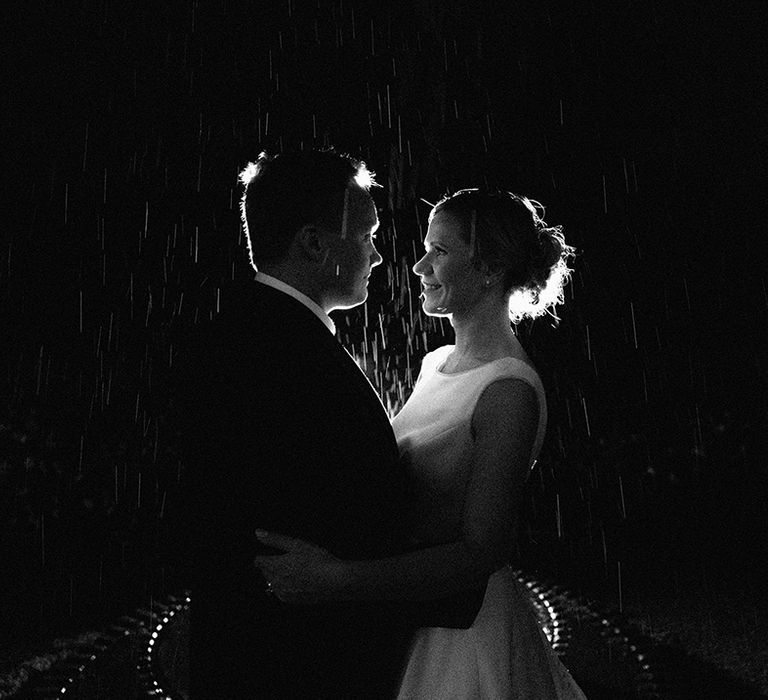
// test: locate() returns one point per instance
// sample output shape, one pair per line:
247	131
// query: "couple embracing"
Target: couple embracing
338	554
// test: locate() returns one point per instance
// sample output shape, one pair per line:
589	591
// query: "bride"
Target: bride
468	436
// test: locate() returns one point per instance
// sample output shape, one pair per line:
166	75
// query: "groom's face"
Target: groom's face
351	253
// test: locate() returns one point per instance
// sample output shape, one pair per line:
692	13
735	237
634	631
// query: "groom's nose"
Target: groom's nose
420	267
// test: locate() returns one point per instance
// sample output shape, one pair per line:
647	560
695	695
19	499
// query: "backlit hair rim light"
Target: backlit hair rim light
533	255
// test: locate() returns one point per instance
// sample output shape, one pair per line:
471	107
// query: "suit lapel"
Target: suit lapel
366	391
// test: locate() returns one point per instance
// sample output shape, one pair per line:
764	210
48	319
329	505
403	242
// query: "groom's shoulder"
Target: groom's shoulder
240	311
257	322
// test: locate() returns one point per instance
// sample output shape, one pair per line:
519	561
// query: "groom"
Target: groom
283	431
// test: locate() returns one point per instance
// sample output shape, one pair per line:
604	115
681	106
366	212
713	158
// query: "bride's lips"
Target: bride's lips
430	287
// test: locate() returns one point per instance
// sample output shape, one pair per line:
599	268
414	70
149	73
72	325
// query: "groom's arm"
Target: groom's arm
446	581
457	611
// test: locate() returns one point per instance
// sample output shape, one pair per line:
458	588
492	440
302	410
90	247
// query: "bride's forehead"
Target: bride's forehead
444	227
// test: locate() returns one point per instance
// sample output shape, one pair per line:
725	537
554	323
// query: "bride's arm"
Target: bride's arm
504	425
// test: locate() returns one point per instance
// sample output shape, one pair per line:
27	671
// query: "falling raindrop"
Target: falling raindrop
605	196
634	327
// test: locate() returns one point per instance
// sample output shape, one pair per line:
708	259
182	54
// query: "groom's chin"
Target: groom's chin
351	303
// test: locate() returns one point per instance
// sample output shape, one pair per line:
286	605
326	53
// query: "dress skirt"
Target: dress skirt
505	655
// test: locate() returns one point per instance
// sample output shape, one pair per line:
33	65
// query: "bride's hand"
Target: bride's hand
306	573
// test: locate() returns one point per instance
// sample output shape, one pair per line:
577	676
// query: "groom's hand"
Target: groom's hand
305	574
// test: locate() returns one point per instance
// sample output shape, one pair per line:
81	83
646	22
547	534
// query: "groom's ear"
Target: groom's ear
310	242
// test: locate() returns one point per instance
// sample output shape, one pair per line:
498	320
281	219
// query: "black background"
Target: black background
640	127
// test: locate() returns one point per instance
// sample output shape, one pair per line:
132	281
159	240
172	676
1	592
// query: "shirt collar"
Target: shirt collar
296	294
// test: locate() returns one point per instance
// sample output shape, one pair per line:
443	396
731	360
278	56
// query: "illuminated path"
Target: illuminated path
145	655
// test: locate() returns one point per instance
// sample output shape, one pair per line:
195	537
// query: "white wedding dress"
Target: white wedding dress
505	654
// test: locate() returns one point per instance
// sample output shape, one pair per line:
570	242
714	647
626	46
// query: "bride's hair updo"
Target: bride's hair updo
506	231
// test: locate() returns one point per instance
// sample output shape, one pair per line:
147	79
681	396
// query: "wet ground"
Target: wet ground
696	647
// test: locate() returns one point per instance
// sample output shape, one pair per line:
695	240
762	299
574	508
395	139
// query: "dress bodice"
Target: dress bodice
434	435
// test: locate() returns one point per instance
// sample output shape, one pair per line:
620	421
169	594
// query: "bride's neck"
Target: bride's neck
483	336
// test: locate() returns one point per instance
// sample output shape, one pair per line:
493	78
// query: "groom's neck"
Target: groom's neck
296	277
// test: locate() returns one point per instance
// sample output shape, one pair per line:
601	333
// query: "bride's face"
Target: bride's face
450	281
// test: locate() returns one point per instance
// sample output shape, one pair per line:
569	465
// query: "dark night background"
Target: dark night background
640	127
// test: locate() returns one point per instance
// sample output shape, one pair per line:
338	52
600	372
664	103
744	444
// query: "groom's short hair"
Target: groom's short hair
287	191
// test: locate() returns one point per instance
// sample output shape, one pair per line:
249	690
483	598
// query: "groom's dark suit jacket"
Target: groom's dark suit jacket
281	430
